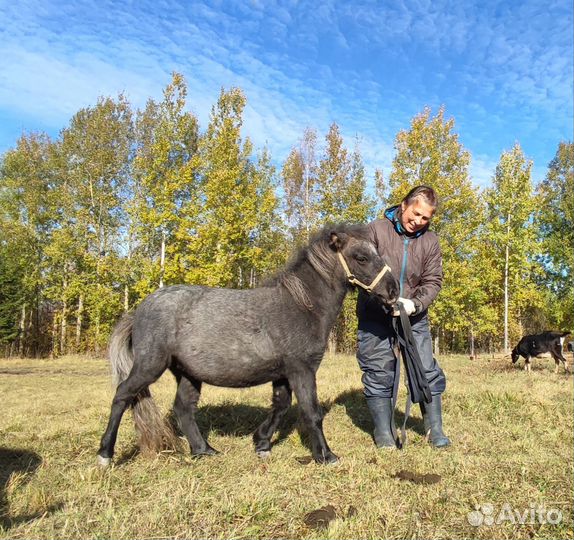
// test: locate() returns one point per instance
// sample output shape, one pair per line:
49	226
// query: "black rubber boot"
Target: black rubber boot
432	417
382	413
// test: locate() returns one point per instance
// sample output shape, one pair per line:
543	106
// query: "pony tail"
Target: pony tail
154	432
120	352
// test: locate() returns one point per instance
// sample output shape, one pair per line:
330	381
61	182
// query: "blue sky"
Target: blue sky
503	70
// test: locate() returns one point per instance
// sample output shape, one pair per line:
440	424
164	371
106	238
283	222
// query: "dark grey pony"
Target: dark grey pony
237	338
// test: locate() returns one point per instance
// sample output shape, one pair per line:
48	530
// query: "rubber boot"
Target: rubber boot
432	417
382	413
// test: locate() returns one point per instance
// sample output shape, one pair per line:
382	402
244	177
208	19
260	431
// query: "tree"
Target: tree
430	153
11	290
341	197
94	164
29	188
556	225
267	240
341	184
299	182
510	235
164	183
237	201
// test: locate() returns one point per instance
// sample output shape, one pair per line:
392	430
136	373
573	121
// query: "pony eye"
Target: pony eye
361	258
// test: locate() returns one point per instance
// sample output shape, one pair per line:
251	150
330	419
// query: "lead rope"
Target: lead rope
418	389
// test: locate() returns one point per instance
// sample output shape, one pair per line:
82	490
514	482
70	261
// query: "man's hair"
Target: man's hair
426	193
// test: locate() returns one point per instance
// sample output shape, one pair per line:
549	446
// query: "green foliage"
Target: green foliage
430	153
341	183
238	204
29	191
11	294
511	240
555	219
326	186
299	182
164	186
125	202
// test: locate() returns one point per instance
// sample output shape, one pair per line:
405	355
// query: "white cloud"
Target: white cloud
385	62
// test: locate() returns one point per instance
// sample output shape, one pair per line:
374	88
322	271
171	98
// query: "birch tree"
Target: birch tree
164	182
430	153
237	200
511	235
341	197
556	228
28	192
299	183
93	161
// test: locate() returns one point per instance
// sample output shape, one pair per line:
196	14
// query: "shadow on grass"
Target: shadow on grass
242	420
357	410
236	420
15	460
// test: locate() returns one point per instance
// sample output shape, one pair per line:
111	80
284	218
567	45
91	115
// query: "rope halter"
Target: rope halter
354	281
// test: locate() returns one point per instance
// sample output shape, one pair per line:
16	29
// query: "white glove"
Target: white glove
409	306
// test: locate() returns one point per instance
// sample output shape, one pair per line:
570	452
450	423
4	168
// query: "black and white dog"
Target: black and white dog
537	344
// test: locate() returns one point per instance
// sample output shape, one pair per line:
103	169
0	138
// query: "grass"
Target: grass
513	450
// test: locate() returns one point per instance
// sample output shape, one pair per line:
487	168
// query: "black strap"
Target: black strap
418	389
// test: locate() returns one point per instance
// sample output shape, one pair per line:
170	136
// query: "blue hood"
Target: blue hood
393	215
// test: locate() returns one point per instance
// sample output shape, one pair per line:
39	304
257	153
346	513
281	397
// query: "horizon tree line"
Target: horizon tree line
123	202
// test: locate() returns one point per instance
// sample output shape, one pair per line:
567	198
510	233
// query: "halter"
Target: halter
354	281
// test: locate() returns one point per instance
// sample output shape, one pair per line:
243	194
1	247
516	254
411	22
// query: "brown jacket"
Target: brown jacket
416	261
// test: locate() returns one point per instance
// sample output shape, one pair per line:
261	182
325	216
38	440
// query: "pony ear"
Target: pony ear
337	240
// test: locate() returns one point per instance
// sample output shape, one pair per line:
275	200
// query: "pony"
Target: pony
237	338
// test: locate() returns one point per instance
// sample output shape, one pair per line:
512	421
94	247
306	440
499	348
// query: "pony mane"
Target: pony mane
320	256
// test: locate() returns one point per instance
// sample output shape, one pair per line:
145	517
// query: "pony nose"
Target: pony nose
394	292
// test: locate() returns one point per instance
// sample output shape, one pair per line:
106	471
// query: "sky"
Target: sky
503	70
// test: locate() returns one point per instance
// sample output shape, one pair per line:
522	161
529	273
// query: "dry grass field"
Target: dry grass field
509	473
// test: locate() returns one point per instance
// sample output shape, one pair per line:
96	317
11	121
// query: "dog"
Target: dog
537	344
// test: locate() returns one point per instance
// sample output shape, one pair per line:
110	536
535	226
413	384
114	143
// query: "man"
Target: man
412	251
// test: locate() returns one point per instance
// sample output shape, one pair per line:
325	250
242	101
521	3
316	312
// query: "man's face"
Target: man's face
416	216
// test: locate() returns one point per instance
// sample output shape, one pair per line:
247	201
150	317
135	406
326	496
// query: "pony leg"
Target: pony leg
305	387
127	393
185	407
280	404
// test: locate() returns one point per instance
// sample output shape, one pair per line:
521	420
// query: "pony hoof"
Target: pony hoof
263	454
104	462
329	459
207	452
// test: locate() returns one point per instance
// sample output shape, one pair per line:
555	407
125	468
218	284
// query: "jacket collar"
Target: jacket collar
393	214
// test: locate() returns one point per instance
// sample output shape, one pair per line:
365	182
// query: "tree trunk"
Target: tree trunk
55	336
128	273
79	321
471	343
64	327
332	342
436	345
22	341
506	258
162	260
97	336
